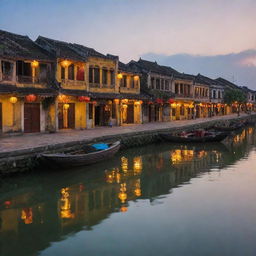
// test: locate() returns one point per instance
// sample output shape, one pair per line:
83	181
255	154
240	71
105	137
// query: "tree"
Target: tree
235	97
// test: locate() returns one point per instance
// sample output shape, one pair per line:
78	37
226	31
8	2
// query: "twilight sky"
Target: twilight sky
134	28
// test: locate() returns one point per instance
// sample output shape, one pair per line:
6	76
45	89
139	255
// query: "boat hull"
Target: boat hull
68	160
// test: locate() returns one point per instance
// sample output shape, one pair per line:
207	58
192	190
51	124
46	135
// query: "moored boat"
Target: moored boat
80	158
195	136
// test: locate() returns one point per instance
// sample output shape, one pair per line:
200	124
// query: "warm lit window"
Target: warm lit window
62	73
80	73
71	70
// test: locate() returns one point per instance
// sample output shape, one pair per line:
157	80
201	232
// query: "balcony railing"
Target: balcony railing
32	80
68	82
97	85
181	95
6	77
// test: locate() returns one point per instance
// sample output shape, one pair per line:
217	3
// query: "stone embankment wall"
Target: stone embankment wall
28	159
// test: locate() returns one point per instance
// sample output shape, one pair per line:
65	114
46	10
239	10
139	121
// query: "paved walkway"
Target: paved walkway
29	141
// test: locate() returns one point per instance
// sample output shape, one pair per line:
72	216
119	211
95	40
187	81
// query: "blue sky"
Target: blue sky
134	28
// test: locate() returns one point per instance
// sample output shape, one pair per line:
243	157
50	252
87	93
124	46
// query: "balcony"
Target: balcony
181	95
129	90
6	77
73	84
32	80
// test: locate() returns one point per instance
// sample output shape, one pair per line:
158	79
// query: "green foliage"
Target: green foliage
47	102
232	96
161	94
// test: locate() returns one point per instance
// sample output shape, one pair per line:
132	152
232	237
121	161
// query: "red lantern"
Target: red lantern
84	99
94	102
31	98
150	102
171	101
159	101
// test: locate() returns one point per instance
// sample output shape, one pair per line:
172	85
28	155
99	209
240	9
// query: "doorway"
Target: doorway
66	116
31	117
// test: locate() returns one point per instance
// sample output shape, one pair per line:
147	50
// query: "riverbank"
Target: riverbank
20	153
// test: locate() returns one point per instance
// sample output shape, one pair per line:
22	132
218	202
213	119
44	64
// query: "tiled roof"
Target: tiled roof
60	49
21	47
184	76
148	66
12	89
125	68
87	52
227	83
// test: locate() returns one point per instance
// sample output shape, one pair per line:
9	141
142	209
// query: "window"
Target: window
90	74
214	94
124	84
104	76
162	84
132	82
177	88
112	77
158	84
152	83
166	85
71	70
90	111
80	73
23	68
97	75
182	88
7	68
219	94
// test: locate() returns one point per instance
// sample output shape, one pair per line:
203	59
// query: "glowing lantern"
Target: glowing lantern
125	101
31	98
66	106
123	209
150	102
136	78
159	101
171	101
116	101
174	105
34	64
125	106
109	102
13	100
137	103
84	99
119	76
94	102
65	63
62	98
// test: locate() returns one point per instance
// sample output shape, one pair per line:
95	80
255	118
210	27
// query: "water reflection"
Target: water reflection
47	207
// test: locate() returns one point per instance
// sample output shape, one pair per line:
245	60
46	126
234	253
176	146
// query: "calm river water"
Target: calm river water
163	199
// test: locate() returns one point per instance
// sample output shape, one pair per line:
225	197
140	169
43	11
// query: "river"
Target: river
161	199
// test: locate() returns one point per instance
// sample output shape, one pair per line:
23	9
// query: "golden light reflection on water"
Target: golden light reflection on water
86	200
27	215
65	205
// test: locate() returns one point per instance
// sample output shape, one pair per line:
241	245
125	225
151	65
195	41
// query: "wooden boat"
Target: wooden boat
82	158
195	137
229	128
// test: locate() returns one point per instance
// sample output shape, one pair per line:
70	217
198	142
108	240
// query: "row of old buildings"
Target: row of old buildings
49	85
